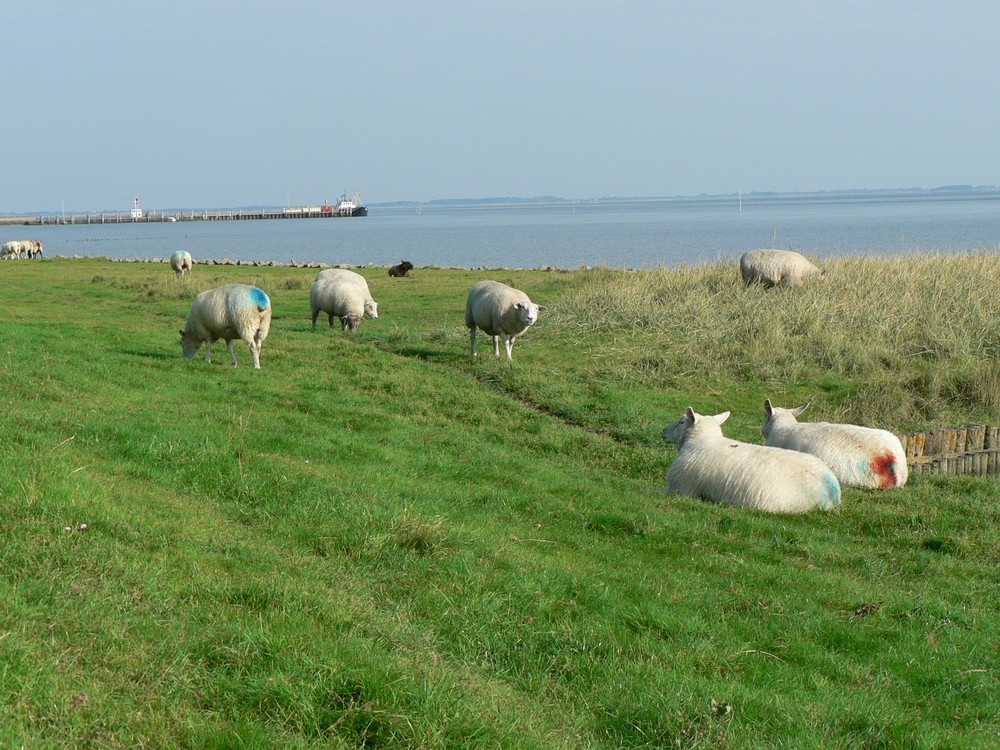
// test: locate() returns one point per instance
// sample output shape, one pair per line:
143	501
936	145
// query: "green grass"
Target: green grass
376	541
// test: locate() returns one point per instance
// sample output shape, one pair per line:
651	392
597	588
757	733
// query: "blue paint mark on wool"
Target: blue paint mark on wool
831	497
259	297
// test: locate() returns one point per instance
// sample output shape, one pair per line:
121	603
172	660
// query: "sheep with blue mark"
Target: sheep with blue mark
234	311
181	261
859	456
710	466
499	311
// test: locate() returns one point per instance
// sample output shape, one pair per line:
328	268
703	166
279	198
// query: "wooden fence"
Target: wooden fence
973	449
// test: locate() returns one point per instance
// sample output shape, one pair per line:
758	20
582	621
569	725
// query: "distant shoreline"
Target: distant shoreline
944	191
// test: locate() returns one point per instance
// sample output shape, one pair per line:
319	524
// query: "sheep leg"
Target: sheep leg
231	345
508	344
208	351
496	346
472	336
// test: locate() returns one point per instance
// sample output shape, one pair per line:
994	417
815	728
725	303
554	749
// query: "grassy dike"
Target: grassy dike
375	541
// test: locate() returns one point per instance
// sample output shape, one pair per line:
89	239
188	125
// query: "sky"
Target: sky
219	103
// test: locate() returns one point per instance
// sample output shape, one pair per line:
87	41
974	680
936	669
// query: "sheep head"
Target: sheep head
679	431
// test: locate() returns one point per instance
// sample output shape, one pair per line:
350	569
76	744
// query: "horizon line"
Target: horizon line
955	188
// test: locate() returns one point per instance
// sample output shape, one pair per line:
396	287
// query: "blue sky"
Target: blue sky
222	104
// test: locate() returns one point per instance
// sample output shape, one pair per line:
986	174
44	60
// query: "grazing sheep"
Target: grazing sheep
346	276
499	311
859	456
710	466
777	268
181	261
235	311
21	249
339	298
403	268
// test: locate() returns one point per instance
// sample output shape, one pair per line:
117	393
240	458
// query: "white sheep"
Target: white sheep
344	275
499	311
181	261
859	456
777	268
235	311
338	298
710	466
21	249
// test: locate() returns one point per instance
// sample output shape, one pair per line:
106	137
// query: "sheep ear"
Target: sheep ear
720	418
768	409
691	416
799	410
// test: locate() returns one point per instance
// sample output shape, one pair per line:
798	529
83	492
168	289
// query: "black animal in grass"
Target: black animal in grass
403	268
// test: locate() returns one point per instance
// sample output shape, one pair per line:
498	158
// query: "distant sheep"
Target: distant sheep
710	466
777	268
499	311
235	311
859	456
21	249
403	268
351	277
181	261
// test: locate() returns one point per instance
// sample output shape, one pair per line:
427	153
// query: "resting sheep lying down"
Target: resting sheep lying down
499	311
777	268
859	456
403	268
710	466
235	311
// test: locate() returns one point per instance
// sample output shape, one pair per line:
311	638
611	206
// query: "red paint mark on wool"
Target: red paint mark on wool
884	467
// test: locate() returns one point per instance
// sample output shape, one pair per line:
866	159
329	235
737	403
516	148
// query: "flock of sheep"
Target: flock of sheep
241	311
801	466
21	249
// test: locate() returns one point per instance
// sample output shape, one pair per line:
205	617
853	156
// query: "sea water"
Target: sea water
648	233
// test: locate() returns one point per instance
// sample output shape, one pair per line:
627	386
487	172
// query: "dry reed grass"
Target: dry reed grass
913	339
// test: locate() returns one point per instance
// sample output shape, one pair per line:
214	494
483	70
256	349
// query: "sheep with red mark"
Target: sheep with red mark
710	466
859	456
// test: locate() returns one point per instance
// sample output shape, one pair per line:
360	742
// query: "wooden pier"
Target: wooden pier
125	217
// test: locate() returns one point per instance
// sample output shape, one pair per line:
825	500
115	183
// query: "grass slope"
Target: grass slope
375	541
